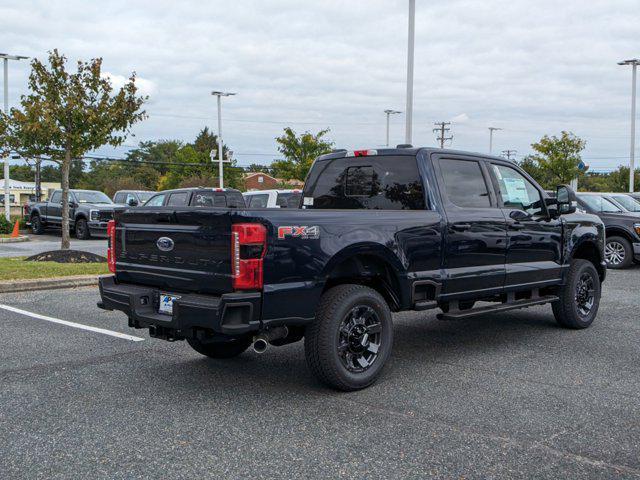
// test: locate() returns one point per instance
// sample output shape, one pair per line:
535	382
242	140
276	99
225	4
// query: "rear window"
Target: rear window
288	199
217	199
376	183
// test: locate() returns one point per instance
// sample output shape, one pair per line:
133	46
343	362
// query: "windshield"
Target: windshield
598	203
144	196
627	202
91	197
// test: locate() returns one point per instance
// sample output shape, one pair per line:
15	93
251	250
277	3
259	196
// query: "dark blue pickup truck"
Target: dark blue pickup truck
377	231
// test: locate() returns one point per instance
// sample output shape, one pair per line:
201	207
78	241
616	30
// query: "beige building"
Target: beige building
23	192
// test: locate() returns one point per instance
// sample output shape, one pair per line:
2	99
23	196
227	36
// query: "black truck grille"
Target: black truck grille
105	216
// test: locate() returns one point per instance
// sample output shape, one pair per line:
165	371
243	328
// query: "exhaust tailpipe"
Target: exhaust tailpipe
260	345
262	341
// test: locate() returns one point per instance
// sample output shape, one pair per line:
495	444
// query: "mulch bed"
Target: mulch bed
67	256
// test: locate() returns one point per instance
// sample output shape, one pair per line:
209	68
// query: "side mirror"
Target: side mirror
132	202
566	200
73	204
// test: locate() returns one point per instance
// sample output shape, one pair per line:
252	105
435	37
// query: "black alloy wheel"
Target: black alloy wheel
359	338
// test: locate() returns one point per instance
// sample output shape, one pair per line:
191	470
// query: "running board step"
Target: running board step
502	307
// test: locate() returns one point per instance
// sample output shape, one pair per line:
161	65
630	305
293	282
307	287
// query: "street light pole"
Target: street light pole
412	30
219	95
390	112
6	57
491	130
632	164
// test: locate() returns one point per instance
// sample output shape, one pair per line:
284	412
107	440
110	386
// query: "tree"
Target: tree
299	153
557	158
257	167
66	114
22	173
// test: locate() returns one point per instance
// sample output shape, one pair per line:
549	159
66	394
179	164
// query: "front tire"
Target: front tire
82	229
228	349
618	253
579	297
36	225
350	339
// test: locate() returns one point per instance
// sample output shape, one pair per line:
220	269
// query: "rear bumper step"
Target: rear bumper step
229	314
502	307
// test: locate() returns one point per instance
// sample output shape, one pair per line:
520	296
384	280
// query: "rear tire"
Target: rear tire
36	225
618	253
82	229
350	339
579	297
228	349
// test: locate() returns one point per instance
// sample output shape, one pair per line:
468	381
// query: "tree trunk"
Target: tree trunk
66	166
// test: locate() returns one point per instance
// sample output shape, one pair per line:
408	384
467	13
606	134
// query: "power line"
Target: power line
508	153
443	128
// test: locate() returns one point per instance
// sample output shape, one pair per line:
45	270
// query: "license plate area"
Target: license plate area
166	303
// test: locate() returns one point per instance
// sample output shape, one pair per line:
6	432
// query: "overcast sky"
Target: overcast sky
529	67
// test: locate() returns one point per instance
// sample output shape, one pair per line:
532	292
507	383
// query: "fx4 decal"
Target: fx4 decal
303	231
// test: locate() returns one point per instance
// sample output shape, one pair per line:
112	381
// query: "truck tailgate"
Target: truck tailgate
176	249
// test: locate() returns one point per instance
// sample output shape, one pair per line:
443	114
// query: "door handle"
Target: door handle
517	226
461	227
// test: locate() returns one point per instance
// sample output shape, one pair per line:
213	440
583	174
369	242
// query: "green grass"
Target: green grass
18	269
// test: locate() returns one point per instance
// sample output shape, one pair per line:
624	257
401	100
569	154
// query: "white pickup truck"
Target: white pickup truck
272	198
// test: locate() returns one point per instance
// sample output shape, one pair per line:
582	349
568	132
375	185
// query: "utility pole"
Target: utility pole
390	112
219	95
491	130
38	180
508	153
632	164
442	128
6	57
412	33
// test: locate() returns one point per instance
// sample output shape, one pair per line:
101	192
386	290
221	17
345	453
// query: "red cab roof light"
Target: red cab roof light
362	153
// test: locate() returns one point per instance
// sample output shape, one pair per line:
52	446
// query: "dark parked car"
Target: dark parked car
624	200
198	197
380	232
89	212
132	198
622	228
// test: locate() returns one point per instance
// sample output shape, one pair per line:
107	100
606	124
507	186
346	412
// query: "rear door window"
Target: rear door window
464	183
178	199
119	198
376	183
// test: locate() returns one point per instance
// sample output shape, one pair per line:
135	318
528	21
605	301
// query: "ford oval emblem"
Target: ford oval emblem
165	244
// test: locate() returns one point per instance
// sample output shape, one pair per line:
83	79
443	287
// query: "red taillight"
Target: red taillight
248	246
111	245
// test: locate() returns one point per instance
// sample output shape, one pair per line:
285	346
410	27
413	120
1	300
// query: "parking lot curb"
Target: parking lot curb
21	238
48	283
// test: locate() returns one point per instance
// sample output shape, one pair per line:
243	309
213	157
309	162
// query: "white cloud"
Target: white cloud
462	118
530	67
145	87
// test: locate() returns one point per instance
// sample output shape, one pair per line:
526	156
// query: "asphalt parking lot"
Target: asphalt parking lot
502	396
51	241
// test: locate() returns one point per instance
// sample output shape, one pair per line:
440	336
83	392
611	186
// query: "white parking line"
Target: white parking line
111	333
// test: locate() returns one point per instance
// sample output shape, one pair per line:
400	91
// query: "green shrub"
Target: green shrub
5	226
